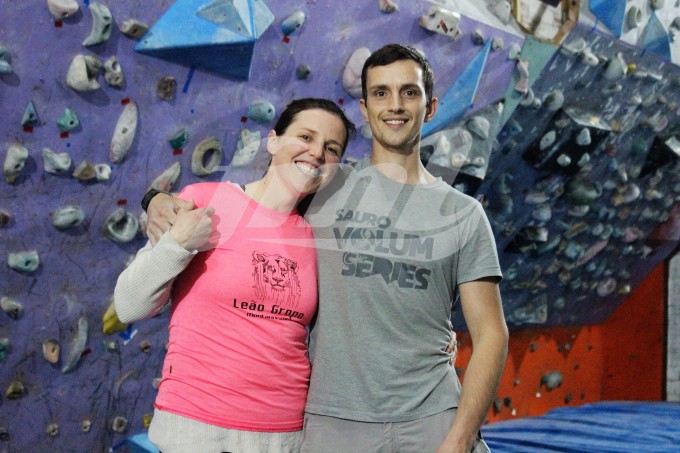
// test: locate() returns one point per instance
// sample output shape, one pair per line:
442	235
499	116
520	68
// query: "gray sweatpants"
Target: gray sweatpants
173	433
324	434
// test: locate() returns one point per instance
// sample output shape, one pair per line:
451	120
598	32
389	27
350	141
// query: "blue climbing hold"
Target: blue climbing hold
218	37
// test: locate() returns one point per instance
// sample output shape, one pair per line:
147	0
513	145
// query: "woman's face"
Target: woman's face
306	156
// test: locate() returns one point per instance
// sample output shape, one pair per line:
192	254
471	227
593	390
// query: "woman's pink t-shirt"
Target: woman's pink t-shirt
237	353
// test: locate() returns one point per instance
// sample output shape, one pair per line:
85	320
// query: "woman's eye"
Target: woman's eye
335	151
305	137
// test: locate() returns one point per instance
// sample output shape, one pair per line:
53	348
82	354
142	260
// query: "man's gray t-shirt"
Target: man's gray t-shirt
390	258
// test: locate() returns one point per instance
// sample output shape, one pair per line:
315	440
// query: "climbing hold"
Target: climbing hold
563	160
634	17
206	156
27	261
102	172
166	180
553	100
51	349
102	24
589	58
14	162
85	426
77	346
547	140
52	430
478	38
121	226
292	22
657	4
497	44
552	380
5	218
443	21
606	286
261	112
134	29
84	171
113	73
69	216
522	84
583	138
119	424
5	60
61	9
166	88
30	117
502	10
388	6
82	73
110	322
479	126
246	148
68	121
15	390
351	75
10	306
179	138
145	346
4	348
124	133
303	71
615	68
514	51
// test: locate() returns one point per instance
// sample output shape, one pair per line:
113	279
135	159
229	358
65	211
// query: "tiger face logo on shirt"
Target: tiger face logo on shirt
275	279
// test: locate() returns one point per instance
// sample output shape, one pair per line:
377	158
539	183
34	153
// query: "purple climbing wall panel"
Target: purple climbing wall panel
111	381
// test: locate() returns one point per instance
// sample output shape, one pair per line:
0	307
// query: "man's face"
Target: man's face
395	106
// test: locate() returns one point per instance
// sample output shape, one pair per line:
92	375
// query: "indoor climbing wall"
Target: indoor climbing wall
585	181
89	123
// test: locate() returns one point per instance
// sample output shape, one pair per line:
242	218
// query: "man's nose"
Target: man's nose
396	104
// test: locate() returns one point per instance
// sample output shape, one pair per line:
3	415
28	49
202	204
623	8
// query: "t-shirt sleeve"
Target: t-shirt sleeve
200	193
478	255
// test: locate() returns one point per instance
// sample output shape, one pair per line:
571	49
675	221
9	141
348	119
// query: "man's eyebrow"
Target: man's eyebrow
411	86
378	87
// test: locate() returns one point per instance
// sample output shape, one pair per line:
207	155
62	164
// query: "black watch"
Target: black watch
149	195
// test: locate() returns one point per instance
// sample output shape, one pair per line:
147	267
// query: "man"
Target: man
396	247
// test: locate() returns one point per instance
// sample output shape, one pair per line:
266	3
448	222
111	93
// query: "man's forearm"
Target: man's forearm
480	384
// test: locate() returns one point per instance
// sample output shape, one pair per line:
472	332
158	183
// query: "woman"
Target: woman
236	372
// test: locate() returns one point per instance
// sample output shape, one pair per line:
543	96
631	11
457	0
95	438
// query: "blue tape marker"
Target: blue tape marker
188	82
118	446
128	333
597	21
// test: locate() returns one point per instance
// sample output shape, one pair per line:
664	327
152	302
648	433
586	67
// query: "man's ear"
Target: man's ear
431	109
364	111
272	142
